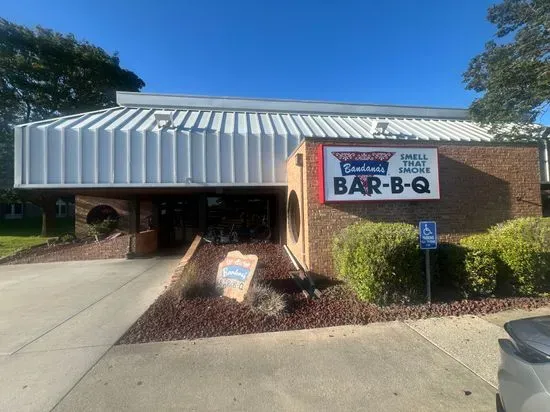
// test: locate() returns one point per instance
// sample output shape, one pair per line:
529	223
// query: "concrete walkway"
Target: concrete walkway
440	364
378	367
58	319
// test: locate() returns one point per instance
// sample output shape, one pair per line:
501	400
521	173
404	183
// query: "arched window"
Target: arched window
99	213
293	215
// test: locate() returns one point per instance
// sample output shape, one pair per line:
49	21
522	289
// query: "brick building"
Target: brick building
167	167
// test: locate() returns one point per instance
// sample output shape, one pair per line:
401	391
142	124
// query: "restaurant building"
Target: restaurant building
167	167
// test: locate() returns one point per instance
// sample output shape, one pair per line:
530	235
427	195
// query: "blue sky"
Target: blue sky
387	52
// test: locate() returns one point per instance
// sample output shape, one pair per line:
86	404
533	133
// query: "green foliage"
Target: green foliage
190	285
534	230
102	228
380	261
449	265
512	73
62	239
46	74
481	266
524	248
19	234
12	244
31	226
515	255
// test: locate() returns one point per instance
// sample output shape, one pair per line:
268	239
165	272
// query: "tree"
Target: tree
46	74
513	72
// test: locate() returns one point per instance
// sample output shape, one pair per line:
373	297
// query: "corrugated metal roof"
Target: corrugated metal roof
270	123
126	146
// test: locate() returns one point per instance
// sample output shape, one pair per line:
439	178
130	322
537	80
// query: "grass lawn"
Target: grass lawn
19	234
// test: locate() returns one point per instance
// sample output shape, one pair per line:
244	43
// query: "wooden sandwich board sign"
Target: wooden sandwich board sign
235	273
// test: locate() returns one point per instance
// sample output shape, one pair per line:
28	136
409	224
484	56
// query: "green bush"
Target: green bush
448	267
514	254
380	261
102	228
535	230
481	266
524	247
189	284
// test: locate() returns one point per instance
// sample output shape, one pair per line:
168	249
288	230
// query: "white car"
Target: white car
524	372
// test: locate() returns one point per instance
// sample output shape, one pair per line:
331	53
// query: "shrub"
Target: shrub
190	285
534	230
102	228
481	266
265	299
524	247
67	238
380	261
449	265
514	254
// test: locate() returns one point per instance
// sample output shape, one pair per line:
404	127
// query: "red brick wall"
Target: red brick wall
480	185
83	205
145	212
146	242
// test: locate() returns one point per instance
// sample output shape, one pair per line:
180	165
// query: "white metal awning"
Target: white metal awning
168	140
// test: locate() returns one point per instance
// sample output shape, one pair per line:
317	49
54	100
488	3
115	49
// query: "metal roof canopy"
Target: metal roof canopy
209	141
176	101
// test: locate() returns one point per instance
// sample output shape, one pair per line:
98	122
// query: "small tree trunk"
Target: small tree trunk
48	216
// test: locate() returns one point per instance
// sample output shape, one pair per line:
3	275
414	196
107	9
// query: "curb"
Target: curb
185	259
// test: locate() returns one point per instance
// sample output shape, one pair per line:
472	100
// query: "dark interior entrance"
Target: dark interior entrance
220	217
178	220
240	218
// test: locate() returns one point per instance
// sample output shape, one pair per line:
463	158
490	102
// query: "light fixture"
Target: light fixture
379	127
163	118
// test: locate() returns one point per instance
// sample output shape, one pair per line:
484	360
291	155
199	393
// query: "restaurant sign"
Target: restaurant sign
235	273
366	173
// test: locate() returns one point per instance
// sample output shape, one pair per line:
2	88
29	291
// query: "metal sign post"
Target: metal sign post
428	241
428	277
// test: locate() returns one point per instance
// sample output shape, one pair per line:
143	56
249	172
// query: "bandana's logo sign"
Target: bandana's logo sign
363	165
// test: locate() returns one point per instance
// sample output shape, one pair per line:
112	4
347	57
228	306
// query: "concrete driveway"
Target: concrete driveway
58	319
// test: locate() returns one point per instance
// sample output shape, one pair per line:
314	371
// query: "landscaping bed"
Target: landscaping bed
172	317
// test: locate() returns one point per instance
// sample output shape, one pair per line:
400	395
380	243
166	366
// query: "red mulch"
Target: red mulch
171	318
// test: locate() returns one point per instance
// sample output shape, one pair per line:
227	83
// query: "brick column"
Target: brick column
133	225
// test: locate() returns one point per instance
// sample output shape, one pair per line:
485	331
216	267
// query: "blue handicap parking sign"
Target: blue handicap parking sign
428	235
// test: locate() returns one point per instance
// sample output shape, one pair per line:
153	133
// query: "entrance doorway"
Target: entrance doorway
240	218
219	217
178	220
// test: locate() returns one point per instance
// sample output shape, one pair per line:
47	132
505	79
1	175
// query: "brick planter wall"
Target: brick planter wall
146	242
480	185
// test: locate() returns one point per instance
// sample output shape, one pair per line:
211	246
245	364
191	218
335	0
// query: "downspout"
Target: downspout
300	163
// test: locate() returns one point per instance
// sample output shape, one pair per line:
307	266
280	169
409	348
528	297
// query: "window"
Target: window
294	215
60	208
15	211
99	213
